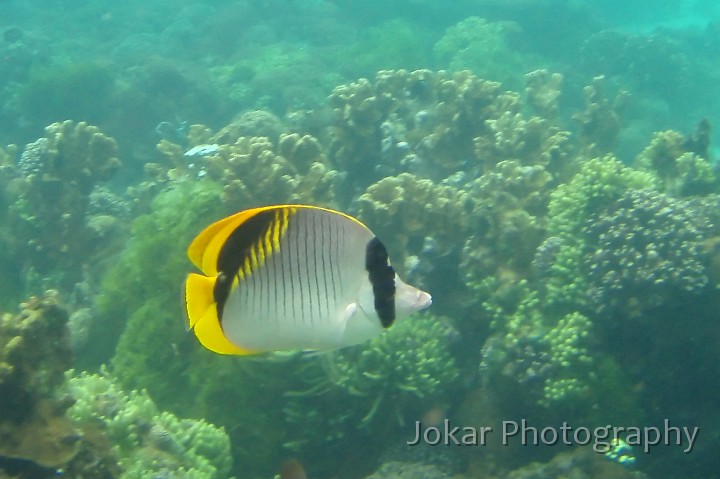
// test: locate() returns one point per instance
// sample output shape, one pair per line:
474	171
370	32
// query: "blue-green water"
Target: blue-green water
547	170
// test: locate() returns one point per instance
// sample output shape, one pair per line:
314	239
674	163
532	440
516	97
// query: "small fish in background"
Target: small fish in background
289	277
291	469
435	416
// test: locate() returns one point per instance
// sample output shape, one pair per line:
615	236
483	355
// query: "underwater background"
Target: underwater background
546	169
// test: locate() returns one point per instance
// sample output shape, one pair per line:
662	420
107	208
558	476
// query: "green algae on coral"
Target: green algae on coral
139	294
142	322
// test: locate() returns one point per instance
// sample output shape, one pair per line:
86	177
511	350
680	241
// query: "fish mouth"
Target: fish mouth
424	300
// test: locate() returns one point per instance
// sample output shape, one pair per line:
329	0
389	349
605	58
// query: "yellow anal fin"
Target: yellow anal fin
201	316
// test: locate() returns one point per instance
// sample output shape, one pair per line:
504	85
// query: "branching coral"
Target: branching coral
414	215
600	120
55	176
146	441
432	123
507	220
543	92
681	170
253	170
412	362
534	141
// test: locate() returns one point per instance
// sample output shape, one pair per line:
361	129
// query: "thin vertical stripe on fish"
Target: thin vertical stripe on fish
289	277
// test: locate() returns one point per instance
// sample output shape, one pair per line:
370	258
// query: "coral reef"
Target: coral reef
155	255
585	285
681	164
374	389
616	253
34	354
434	125
581	462
253	170
48	210
507	220
145	440
543	89
532	351
645	249
55	422
600	120
415	217
421	122
600	181
541	252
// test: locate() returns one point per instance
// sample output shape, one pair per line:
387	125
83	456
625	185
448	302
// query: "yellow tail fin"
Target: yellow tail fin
202	317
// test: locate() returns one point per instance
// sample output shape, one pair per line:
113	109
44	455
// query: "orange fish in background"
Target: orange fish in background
435	416
291	469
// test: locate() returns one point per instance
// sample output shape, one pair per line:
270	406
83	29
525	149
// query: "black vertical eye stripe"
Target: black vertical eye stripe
382	279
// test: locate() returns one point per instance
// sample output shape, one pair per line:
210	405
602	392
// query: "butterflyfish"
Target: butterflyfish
292	277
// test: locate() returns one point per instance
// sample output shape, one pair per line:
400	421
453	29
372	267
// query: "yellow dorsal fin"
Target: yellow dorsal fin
202	318
205	248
